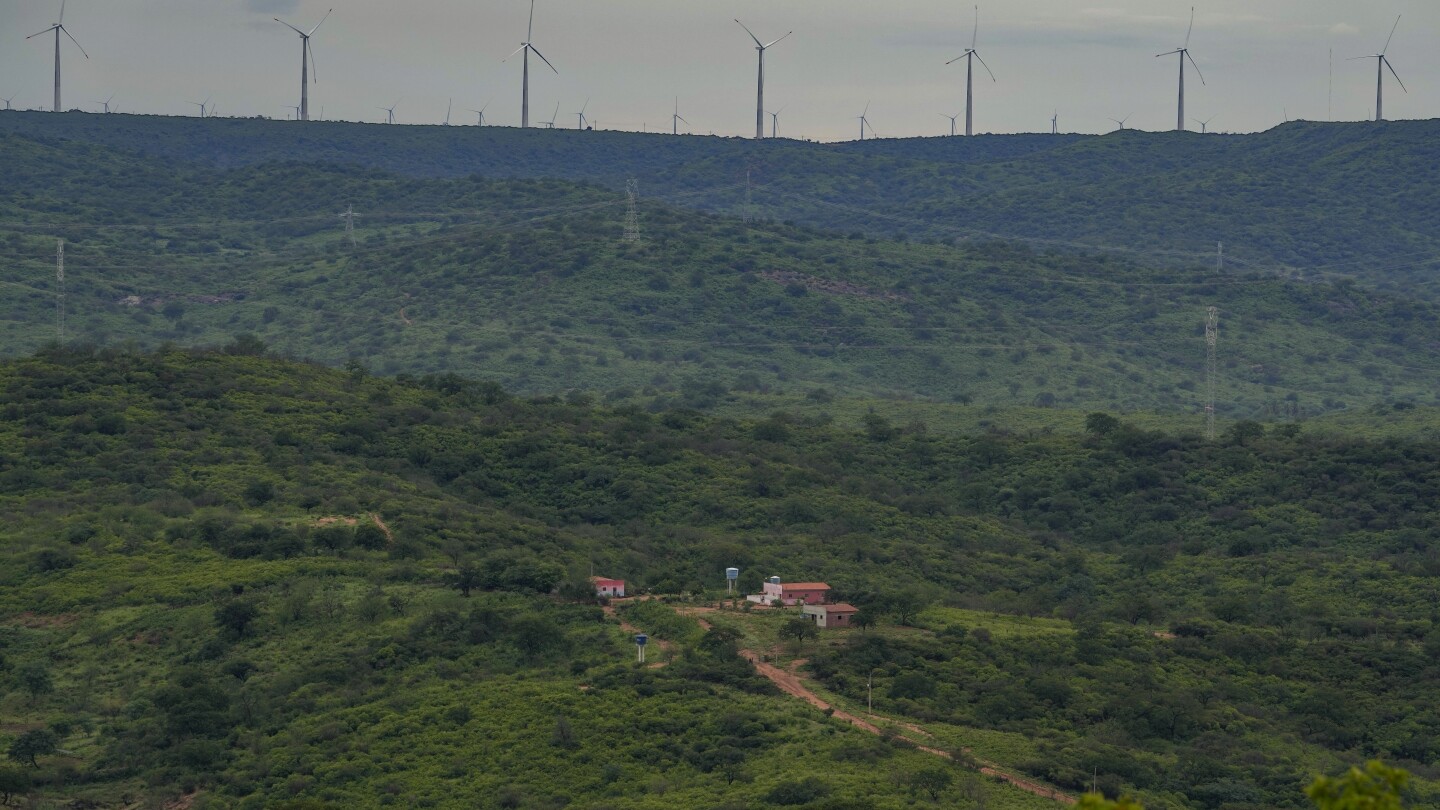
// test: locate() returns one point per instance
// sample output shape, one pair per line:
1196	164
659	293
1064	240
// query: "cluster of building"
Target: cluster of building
812	597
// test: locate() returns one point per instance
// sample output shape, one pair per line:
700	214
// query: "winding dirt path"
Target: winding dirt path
790	684
665	645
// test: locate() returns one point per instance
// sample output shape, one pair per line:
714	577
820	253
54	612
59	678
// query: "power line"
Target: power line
60	291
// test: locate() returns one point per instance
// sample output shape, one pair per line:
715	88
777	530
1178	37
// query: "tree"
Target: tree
932	781
37	742
235	616
1377	787
799	629
564	734
467	579
35	679
13	783
863	619
1101	424
906	605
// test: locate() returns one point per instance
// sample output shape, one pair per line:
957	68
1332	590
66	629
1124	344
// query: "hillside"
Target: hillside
529	284
235	576
1327	199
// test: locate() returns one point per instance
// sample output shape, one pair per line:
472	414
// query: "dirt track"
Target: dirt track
791	684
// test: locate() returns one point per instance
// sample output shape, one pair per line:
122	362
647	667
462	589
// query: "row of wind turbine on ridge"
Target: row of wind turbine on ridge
309	73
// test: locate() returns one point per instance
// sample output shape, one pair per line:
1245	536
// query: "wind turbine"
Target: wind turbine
1055	123
58	28
1204	125
865	122
675	119
527	47
1381	63
105	103
760	48
953	119
307	61
480	114
774	121
390	111
970	56
7	102
1184	52
580	116
1121	121
448	104
295	107
201	105
551	123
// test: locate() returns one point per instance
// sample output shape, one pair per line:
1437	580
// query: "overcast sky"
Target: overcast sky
1090	61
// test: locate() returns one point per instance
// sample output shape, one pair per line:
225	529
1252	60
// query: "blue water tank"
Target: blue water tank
774	580
641	639
732	573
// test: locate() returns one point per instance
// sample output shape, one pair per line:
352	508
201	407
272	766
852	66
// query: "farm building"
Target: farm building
608	587
830	616
793	593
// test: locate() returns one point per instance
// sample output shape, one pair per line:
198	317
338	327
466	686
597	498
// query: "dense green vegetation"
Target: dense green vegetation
529	284
186	604
1321	198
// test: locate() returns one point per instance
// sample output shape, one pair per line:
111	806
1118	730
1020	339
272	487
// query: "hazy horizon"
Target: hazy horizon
1261	61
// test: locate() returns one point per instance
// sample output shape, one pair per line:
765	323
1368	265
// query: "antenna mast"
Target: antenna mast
1212	331
632	214
60	293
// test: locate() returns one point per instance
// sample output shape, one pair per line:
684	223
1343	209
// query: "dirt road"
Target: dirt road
791	684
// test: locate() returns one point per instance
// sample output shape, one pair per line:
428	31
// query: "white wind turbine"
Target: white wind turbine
307	60
1121	121
1204	125
865	122
201	104
527	47
580	116
59	28
7	102
953	119
760	48
775	121
675	119
1055	123
1184	52
1381	63
105	103
390	111
448	104
480	114
970	56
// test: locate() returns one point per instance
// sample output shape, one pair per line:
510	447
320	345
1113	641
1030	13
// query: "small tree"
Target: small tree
1101	424
799	629
14	782
932	782
864	618
35	679
1377	787
564	734
37	742
467	579
235	617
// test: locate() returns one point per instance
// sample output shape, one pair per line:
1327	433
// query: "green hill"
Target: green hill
528	283
1322	199
236	579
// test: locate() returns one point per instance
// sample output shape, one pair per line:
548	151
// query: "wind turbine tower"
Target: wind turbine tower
580	116
480	114
390	111
675	119
59	28
1204	125
970	56
1121	121
1382	62
865	122
775	121
1055	123
760	48
307	60
953	119
1184	52
527	47
7	102
106	103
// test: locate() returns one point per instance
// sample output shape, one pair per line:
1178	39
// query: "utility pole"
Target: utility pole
60	292
1219	257
349	217
632	213
1212	331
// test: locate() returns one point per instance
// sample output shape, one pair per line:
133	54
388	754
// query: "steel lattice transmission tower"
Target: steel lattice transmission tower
349	217
632	213
1212	332
60	291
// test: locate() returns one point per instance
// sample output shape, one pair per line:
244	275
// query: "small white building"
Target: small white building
831	616
608	587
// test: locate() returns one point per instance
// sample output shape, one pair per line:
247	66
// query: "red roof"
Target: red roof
841	608
804	586
604	581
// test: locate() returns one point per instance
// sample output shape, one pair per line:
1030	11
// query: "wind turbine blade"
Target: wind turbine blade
46	31
1191	28
782	108
586	106
322	22
1357	58
291	27
512	53
1197	67
987	67
682	118
77	42
543	59
975	32
773	41
530	29
1386	49
958	58
1168	53
1393	73
748	31
867	110
314	68
62	13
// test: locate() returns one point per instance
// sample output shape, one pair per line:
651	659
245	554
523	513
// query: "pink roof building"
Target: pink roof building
608	587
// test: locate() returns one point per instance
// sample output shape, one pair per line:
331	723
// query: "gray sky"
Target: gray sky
1091	60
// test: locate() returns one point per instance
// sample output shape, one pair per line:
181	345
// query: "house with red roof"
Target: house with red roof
608	587
791	593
